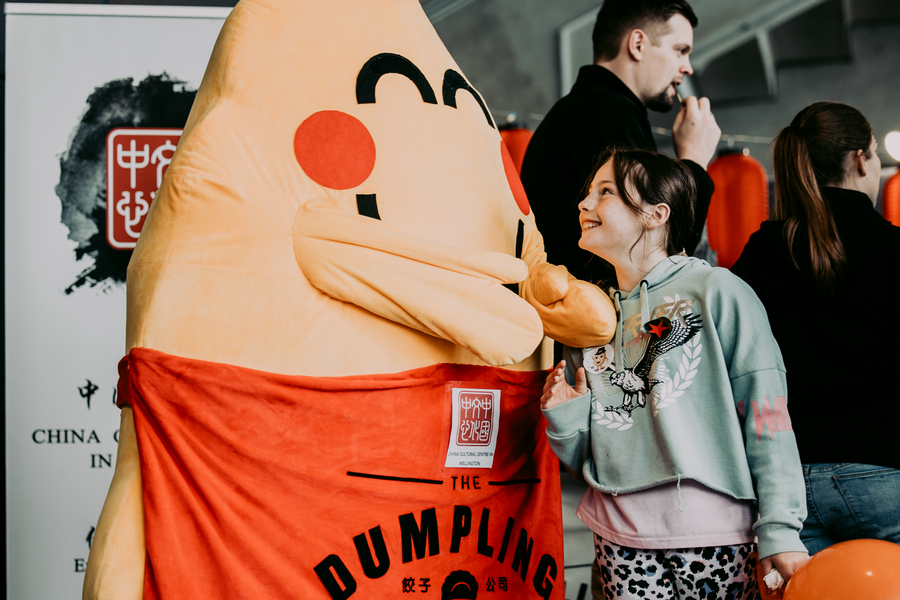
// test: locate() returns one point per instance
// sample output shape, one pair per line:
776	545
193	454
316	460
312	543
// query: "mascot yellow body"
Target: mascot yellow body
338	264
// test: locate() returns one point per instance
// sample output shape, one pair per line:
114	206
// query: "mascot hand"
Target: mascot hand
575	313
453	293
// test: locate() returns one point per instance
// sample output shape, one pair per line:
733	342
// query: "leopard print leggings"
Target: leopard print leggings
714	573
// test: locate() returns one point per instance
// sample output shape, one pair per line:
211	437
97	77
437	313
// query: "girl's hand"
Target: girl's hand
785	563
557	390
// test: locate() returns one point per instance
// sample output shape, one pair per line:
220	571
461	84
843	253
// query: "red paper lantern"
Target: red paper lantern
516	136
739	204
890	199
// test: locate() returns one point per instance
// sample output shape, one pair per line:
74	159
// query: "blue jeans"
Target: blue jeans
848	501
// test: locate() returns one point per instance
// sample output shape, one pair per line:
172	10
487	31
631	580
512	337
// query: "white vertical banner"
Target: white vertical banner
74	74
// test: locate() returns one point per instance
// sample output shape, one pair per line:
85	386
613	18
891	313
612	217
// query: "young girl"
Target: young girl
680	424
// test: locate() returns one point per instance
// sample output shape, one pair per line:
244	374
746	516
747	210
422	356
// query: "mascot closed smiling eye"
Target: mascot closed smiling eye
334	341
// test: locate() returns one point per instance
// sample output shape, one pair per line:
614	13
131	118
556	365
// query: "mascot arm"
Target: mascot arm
575	313
115	568
450	292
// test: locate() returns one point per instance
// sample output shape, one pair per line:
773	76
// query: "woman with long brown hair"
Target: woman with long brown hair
827	269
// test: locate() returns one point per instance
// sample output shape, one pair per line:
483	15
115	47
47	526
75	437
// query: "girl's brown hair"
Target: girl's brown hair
656	179
811	153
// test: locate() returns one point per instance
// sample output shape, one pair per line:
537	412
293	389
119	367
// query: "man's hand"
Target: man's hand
785	563
557	390
695	133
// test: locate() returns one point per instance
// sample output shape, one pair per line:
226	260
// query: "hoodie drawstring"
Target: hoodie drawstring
645	318
620	366
680	499
645	306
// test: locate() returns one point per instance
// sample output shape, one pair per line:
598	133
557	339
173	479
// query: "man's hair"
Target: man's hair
618	18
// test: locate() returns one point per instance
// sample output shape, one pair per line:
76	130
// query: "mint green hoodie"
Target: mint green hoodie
692	387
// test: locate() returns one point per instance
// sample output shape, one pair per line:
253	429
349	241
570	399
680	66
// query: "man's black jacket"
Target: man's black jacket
599	112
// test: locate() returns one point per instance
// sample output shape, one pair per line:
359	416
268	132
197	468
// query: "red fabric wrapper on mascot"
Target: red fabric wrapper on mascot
335	320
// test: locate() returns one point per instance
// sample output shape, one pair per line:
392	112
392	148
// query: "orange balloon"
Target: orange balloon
864	569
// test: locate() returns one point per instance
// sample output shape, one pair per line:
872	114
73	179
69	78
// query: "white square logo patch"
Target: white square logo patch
473	434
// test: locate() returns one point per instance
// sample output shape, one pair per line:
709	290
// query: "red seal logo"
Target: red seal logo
136	160
476	418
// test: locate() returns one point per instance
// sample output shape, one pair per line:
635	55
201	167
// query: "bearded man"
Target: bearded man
641	53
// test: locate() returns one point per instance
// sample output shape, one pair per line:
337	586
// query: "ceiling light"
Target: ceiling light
892	144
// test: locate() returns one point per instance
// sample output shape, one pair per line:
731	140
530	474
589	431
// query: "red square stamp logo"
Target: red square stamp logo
136	160
476	419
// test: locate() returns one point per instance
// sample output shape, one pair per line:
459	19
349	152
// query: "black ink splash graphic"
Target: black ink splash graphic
157	101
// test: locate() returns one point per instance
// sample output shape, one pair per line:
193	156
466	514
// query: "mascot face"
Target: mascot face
427	165
339	181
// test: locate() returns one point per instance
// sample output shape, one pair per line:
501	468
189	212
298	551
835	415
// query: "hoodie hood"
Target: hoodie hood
667	271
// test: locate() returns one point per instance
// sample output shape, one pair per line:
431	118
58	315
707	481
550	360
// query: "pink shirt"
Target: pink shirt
672	515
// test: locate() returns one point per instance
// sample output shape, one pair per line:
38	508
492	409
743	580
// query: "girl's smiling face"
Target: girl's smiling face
609	228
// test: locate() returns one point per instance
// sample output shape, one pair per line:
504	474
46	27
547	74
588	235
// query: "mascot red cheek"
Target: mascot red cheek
334	343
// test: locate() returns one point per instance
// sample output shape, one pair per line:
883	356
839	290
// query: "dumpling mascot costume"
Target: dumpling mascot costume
332	380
